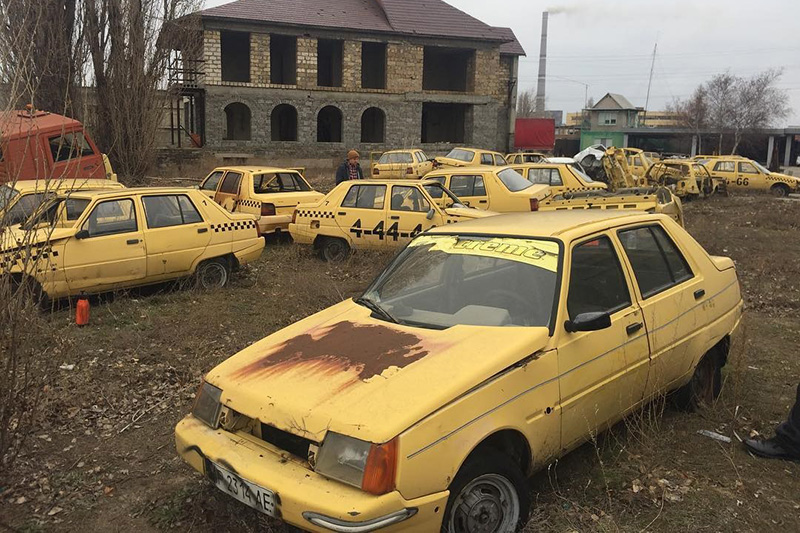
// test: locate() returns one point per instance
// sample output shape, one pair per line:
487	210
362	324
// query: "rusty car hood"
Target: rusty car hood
344	371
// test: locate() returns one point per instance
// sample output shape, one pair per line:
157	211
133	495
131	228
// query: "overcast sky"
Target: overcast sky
608	45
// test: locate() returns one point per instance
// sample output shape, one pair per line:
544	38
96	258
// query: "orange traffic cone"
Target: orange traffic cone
82	312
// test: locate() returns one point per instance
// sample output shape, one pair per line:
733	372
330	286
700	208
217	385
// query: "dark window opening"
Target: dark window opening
656	261
284	123
329	62
444	122
373	122
237	120
596	283
373	65
283	59
446	69
329	125
235	52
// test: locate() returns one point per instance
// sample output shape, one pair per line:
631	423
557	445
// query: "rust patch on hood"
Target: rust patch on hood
366	348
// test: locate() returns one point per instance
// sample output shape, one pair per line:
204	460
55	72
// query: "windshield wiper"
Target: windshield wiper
377	309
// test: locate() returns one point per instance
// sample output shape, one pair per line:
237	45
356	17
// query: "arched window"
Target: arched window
329	125
284	123
237	120
373	125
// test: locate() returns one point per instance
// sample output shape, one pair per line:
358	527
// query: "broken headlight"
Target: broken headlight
343	458
206	404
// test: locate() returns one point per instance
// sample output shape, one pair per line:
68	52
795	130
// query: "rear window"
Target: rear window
279	182
461	155
396	157
513	180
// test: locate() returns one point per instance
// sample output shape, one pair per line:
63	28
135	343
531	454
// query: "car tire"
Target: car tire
333	250
489	493
213	274
779	190
704	387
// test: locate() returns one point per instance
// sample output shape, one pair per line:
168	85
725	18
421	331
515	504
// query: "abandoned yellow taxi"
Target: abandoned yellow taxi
638	161
747	175
98	241
375	215
18	200
498	189
402	164
270	193
561	177
484	351
685	178
465	157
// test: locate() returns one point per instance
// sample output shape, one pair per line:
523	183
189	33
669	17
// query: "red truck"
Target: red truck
40	145
535	134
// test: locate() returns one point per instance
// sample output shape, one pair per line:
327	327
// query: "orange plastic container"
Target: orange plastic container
82	312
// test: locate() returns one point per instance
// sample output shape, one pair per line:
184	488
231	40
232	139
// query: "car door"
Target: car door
362	215
210	184
669	293
110	252
727	170
408	214
603	373
73	156
470	189
228	191
425	165
176	234
748	177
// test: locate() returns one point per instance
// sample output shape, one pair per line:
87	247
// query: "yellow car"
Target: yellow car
561	177
20	199
466	157
519	158
686	178
483	352
98	241
638	161
499	189
375	215
748	175
269	193
402	164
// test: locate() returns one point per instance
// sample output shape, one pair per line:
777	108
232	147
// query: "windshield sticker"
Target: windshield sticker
543	254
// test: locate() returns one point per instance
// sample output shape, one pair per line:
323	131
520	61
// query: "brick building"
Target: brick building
290	77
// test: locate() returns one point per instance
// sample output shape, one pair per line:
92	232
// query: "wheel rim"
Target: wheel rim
703	382
335	251
488	504
780	192
213	276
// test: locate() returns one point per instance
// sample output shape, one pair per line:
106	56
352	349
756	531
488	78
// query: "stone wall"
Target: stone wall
306	62
404	67
259	58
351	65
213	58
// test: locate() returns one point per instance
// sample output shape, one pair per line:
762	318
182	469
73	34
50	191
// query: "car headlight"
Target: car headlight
207	405
370	467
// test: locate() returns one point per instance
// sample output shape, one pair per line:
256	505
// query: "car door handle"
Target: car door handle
132	241
633	328
342	213
482	201
202	230
394	217
699	293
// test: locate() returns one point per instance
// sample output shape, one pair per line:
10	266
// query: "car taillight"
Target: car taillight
376	171
267	210
534	204
409	170
381	467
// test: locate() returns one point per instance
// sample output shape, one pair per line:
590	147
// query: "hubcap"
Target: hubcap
213	276
488	504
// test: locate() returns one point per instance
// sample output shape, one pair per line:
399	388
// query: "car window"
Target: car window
467	186
724	166
6	195
24	207
69	145
112	217
499	160
462	155
401	157
384	159
637	161
365	196
700	170
418	157
434	190
75	207
544	176
279	182
486	159
409	199
423	155
230	184
513	180
747	168
532	158
657	263
596	280
169	210
211	182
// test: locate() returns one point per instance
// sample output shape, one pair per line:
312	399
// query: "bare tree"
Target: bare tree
693	113
757	104
526	104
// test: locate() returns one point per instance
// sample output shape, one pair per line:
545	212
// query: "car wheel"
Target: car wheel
489	494
334	250
213	274
704	387
779	190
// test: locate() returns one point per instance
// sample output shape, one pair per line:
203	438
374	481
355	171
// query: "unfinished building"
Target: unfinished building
312	78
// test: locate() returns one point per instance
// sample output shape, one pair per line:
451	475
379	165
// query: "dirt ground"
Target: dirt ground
102	456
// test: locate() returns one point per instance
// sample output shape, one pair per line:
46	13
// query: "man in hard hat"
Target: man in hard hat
786	442
350	169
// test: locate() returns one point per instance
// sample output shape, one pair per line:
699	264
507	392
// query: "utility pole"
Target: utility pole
649	83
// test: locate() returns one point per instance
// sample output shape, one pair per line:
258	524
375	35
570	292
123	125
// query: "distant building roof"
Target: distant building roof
430	18
618	101
512	45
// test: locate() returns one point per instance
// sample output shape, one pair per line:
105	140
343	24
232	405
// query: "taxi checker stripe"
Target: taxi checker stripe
320	214
233	226
523	393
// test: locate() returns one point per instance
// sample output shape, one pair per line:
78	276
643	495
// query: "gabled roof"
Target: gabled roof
429	18
512	45
617	101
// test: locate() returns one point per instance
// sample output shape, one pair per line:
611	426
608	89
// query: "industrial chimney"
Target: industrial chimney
539	105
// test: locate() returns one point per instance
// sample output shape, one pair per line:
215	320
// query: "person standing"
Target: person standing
786	442
350	169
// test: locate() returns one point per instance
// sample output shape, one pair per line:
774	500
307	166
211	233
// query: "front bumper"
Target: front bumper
304	498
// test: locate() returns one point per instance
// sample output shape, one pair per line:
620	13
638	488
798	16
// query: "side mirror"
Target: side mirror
588	322
82	234
430	214
466	204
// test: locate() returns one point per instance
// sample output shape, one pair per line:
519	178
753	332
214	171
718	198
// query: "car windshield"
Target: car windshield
760	167
49	213
6	195
437	191
440	281
576	168
461	154
513	180
24	207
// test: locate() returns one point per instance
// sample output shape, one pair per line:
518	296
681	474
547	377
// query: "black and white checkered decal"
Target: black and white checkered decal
234	226
314	214
248	203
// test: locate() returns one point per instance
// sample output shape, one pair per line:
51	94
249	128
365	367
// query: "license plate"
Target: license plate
246	492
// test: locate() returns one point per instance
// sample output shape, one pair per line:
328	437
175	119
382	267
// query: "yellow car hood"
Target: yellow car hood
15	237
344	371
467	212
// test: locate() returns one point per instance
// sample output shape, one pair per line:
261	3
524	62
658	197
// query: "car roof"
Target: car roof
130	191
56	184
403	150
481	168
386	181
475	149
540	164
255	169
546	223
